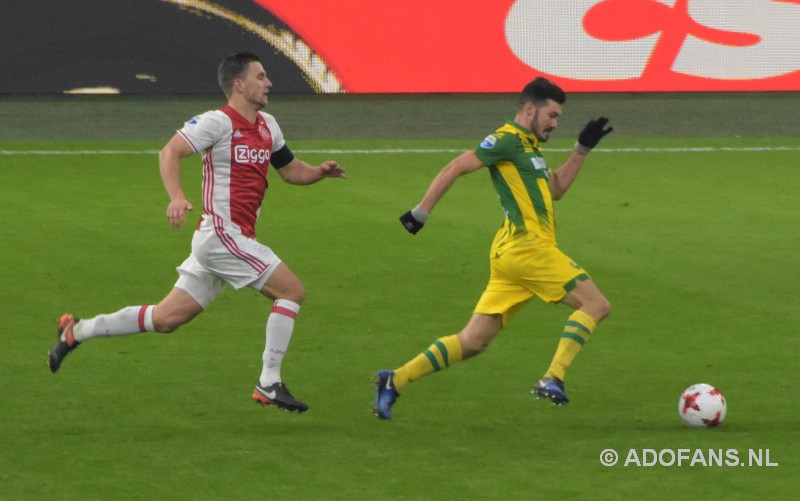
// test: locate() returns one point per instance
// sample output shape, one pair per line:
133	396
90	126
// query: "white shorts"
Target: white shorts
217	259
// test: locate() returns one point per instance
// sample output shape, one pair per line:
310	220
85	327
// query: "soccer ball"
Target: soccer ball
702	406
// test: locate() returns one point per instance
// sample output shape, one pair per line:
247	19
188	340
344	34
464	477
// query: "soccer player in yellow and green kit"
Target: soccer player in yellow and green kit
524	259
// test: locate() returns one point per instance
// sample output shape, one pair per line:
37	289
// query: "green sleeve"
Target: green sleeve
497	147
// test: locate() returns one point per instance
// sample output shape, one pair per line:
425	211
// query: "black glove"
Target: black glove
592	133
411	223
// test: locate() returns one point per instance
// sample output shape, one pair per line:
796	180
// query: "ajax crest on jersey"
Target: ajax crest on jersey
702	406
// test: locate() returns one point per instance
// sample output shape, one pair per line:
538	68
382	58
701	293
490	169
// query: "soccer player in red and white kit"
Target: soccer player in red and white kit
238	143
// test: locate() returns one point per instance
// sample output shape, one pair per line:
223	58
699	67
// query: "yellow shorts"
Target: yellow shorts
523	271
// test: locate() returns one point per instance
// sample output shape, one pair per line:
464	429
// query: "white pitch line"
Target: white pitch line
402	151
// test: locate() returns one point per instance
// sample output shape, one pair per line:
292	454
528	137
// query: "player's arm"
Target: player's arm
465	163
296	171
561	179
169	163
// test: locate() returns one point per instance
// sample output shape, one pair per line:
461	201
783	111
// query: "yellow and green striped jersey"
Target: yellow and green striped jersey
520	176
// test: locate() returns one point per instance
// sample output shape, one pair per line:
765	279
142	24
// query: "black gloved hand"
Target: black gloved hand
592	133
410	223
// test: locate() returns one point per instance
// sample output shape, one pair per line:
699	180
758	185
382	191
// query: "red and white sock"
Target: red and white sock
129	320
280	325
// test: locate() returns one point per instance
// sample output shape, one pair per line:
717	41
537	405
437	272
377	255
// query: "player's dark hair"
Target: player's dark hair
540	90
233	67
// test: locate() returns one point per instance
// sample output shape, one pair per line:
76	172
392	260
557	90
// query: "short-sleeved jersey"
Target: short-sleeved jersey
520	176
236	154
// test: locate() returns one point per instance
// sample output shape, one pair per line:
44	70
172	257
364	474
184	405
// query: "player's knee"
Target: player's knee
472	344
165	327
296	294
168	323
471	348
301	295
290	290
602	309
478	334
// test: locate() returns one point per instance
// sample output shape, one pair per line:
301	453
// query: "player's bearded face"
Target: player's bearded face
545	120
257	85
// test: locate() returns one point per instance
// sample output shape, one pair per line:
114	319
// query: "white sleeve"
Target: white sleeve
204	130
277	135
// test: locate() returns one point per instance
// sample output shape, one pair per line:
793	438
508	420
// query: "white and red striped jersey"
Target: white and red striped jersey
236	153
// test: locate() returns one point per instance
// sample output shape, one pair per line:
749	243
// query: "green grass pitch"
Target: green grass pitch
693	240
